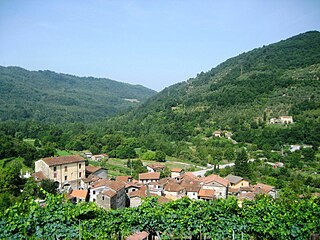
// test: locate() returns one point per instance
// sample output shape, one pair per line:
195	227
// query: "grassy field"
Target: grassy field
66	153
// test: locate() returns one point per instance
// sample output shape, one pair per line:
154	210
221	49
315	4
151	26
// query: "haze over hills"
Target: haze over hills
279	79
47	96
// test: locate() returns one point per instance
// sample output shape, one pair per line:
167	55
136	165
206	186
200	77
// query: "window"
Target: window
103	198
79	174
54	169
80	165
65	178
66	169
55	175
94	192
94	199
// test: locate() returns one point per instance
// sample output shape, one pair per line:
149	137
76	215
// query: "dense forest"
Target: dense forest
46	96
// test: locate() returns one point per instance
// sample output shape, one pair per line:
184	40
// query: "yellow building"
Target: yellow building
65	170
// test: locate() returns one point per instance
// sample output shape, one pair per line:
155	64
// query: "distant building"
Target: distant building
176	172
236	182
282	120
146	178
99	157
216	183
156	167
217	133
65	170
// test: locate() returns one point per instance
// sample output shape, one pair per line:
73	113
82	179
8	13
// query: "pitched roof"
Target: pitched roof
156	166
92	169
191	185
138	236
206	193
260	187
53	161
188	175
109	193
152	175
233	179
178	170
114	185
123	178
173	187
79	193
215	178
163	199
38	176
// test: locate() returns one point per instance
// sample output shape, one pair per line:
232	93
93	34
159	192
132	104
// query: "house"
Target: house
97	171
216	183
38	176
236	182
276	164
294	148
286	119
156	167
217	133
138	236
261	188
155	188
176	172
192	188
65	170
79	196
87	155
86	183
174	191
136	197
108	194
99	157
206	194
124	178
146	178
131	187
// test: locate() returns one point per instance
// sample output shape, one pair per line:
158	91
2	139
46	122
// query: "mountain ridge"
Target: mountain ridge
29	94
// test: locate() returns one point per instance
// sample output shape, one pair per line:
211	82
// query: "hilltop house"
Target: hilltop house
176	172
65	170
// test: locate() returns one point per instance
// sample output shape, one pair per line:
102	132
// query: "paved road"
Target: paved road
211	167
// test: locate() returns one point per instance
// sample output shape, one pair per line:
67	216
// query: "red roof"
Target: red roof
92	169
173	187
79	194
38	176
215	178
115	185
156	166
53	161
123	178
206	193
178	170
147	176
109	193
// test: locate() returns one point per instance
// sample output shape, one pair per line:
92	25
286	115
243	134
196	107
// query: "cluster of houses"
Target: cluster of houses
91	183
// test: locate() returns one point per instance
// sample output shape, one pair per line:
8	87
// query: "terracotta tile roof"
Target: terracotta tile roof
178	170
264	188
233	179
38	176
152	175
247	196
138	236
91	178
247	189
156	166
114	185
79	193
188	175
173	187
140	193
215	178
92	169
123	178
191	185
206	193
109	193
53	161
233	190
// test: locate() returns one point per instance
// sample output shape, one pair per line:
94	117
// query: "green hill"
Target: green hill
239	95
47	96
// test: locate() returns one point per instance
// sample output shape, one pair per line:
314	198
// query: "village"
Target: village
83	183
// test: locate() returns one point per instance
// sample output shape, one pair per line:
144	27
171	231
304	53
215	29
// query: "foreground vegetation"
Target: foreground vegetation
265	218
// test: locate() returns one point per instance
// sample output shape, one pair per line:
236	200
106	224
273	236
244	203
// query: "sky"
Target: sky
151	43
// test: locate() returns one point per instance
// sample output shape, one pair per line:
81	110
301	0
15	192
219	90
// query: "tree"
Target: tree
160	156
241	165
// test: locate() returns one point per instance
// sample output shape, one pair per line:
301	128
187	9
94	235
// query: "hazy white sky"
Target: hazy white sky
152	43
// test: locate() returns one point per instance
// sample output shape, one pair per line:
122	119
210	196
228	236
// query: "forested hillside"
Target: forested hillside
240	95
46	96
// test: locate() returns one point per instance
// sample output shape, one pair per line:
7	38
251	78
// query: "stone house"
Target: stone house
236	182
146	178
174	191
156	167
216	183
176	172
65	170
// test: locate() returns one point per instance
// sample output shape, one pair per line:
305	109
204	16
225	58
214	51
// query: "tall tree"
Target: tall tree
241	167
